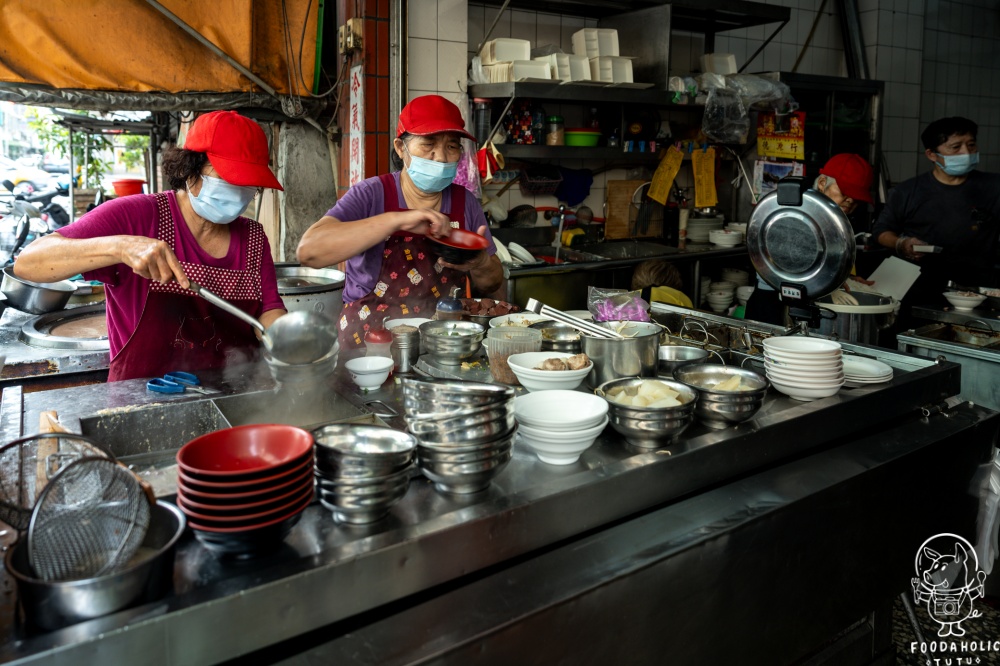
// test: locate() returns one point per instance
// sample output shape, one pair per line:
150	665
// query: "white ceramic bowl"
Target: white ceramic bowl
560	448
737	275
725	237
411	321
737	226
804	394
723	285
369	371
834	365
585	315
523	319
745	291
560	410
802	346
962	302
524	368
798	379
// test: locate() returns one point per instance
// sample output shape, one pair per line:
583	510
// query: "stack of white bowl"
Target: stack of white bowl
741	227
737	275
804	368
725	237
698	228
720	295
705	284
743	294
560	425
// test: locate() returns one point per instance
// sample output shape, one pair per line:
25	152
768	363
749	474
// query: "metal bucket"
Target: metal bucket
314	289
634	356
859	323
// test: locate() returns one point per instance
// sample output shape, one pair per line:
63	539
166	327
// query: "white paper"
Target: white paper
894	277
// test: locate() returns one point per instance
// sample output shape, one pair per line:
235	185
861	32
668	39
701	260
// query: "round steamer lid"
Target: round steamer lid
799	236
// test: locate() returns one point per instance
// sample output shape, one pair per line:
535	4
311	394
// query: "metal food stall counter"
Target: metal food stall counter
652	549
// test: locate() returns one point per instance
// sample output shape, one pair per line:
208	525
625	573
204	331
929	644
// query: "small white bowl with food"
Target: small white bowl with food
549	370
523	319
964	301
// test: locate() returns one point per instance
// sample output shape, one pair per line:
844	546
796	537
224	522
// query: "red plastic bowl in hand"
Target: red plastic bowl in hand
460	247
233	453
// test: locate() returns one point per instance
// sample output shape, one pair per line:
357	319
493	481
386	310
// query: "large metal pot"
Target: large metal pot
314	289
859	323
35	297
52	605
633	356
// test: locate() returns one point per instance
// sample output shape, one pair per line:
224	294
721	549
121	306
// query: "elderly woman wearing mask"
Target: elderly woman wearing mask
380	228
147	248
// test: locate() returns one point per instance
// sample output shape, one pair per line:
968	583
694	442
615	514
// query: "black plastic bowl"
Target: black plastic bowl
460	247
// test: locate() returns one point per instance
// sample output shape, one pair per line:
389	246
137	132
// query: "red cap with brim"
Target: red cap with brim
236	147
431	114
853	175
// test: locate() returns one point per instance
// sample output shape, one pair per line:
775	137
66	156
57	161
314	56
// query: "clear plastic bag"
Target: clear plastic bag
616	305
754	89
468	169
725	119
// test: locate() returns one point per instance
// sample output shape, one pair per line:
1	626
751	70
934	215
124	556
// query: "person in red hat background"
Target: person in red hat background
846	179
146	248
380	228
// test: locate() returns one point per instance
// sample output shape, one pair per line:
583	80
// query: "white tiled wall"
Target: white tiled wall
961	72
436	47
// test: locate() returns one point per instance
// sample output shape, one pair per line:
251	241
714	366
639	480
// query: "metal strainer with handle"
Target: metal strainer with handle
27	464
89	521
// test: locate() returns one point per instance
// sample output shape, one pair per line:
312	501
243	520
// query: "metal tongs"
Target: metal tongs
581	325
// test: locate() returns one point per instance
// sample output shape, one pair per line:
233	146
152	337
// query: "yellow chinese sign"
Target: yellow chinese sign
782	135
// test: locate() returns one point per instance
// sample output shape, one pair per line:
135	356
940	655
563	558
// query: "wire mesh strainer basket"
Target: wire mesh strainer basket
27	464
90	520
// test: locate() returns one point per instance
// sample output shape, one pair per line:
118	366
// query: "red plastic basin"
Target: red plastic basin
126	186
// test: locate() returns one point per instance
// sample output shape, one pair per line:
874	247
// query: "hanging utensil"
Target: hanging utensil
587	327
296	338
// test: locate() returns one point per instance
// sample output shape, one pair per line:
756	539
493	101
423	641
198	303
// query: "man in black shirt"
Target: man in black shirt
953	206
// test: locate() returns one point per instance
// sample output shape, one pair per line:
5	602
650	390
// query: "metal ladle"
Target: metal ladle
296	338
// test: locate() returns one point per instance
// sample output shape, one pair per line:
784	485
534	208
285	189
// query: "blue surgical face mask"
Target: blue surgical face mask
221	202
431	176
958	165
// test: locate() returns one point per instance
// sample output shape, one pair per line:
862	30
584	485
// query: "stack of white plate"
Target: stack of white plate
804	368
699	228
725	238
860	372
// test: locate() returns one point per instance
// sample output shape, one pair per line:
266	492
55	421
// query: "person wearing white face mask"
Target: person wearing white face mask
953	206
380	228
146	249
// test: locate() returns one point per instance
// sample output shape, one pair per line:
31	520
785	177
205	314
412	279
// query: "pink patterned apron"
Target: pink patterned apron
410	281
181	331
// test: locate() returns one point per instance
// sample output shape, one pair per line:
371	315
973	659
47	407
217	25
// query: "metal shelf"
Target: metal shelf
517	151
575	92
706	16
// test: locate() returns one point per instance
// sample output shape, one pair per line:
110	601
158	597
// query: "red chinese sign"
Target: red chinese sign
782	135
356	131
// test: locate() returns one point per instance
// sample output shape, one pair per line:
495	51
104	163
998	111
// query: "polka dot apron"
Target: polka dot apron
410	281
179	330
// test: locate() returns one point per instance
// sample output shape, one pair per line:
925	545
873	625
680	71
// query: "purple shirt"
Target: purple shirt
126	292
366	199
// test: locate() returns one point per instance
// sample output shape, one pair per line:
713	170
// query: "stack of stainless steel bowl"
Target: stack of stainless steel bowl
465	431
721	409
362	471
450	342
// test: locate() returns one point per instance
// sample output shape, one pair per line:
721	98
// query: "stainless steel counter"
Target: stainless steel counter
534	515
27	363
952	316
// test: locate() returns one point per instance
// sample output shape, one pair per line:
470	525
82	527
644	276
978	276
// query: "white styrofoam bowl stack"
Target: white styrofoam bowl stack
804	368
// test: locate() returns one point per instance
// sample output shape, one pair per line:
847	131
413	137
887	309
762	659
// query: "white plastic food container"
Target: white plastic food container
610	69
593	42
504	49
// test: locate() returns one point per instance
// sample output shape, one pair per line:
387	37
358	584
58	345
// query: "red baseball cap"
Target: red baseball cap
236	146
431	114
853	175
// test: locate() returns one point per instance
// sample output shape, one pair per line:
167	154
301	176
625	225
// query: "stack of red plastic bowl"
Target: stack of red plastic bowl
243	489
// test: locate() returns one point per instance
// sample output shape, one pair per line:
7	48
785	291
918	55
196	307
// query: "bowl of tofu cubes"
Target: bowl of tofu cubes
649	413
727	395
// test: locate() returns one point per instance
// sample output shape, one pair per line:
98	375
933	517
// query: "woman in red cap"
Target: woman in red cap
147	248
379	227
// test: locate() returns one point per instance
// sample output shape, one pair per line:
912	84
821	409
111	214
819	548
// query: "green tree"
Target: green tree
134	150
55	138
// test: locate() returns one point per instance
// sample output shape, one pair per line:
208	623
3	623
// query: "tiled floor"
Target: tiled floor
978	630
